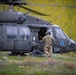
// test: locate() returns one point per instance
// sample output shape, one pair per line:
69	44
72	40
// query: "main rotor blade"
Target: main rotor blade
36	12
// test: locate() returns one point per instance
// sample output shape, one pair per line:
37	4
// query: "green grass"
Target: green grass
29	65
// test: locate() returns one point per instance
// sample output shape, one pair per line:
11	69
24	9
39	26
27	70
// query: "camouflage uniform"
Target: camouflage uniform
48	40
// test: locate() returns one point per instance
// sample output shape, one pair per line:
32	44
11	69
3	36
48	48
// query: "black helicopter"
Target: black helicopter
20	33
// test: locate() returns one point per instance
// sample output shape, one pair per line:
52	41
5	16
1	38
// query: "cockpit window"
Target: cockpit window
24	33
11	33
60	33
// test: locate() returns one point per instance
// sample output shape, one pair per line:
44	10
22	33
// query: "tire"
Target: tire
15	53
36	53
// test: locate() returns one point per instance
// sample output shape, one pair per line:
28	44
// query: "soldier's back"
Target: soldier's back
48	39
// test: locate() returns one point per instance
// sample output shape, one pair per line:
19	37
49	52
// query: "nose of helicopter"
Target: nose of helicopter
75	47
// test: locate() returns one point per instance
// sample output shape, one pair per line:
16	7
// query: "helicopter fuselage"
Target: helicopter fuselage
20	37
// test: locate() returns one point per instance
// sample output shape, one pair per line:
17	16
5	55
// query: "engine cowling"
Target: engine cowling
12	17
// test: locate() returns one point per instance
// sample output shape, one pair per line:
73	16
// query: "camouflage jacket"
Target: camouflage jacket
48	40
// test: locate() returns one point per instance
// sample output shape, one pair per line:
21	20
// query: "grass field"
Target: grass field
30	65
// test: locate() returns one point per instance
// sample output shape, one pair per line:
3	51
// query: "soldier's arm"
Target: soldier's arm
53	39
43	39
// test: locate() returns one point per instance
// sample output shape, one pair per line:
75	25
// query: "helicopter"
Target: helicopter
20	33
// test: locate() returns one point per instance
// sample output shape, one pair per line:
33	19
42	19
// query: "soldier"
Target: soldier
48	40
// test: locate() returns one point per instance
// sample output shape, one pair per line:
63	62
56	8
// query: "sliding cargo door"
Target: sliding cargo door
9	35
23	44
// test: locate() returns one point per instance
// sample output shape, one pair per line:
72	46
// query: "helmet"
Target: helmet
48	32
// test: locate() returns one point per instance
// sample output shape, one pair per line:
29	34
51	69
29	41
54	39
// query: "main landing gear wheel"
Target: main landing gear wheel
36	53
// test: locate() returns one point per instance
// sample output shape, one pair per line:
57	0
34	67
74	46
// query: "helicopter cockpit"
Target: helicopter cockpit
62	42
57	32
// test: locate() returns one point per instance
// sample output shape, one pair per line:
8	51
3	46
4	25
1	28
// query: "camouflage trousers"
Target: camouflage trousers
48	50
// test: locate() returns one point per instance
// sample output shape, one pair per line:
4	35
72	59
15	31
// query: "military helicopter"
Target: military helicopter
20	33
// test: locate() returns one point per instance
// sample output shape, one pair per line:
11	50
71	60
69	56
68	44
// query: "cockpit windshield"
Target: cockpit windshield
60	33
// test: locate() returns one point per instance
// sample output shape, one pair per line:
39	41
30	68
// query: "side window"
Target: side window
12	33
24	33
